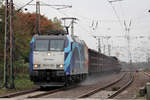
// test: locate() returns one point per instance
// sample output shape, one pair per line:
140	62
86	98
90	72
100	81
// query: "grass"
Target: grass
22	82
139	97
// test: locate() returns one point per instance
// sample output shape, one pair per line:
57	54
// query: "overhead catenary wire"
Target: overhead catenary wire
94	23
25	5
122	10
78	13
56	5
55	9
116	14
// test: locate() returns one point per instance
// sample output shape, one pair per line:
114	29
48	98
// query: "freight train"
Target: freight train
63	59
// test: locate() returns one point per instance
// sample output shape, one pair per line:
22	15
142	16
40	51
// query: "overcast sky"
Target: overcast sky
110	19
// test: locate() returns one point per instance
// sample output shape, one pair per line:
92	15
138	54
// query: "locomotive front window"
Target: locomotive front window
56	45
41	45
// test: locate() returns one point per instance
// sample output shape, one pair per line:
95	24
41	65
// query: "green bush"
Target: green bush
23	82
21	72
21	67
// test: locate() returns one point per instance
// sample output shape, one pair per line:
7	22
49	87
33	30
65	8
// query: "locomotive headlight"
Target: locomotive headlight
35	65
49	54
61	66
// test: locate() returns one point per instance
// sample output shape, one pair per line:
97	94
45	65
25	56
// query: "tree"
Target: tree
57	24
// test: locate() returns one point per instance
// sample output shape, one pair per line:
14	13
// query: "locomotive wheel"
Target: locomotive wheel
67	81
42	87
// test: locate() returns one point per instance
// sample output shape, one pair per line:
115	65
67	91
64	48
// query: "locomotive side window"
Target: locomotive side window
66	43
41	45
56	45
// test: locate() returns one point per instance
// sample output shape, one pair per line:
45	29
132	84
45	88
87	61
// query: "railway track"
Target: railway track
147	74
39	94
52	91
124	87
46	93
90	93
10	95
32	93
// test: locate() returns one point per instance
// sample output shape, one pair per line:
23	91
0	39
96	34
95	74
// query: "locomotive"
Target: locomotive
58	60
63	59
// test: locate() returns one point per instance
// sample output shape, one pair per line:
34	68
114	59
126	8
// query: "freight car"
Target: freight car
58	60
100	63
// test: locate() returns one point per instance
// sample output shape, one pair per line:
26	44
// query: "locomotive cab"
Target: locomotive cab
48	59
50	54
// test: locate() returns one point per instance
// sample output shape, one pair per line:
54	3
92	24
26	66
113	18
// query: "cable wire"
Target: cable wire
116	14
25	5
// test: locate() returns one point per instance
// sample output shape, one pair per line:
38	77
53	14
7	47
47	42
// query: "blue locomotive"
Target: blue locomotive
58	60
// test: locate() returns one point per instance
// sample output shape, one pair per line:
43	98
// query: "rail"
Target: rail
123	88
19	93
101	88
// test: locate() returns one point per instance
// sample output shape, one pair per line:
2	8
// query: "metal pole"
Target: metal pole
11	46
107	45
38	17
104	49
129	51
102	44
128	39
72	27
5	84
99	45
109	49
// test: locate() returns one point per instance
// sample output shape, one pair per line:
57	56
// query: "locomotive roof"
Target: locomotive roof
71	38
49	37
